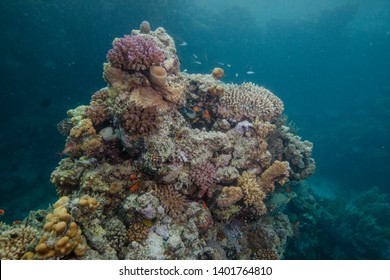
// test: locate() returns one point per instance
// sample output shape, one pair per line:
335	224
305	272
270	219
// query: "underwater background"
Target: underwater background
327	60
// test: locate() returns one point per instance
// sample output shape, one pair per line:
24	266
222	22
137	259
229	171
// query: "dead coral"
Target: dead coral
122	80
229	196
263	130
139	120
148	97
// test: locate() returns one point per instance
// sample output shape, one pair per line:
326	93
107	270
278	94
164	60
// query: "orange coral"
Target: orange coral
218	73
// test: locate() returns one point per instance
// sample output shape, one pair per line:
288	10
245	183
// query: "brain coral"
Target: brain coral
135	53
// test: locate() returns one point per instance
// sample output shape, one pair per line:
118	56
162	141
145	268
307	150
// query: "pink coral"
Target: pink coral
204	176
135	53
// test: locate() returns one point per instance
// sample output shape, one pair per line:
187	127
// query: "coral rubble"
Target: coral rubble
164	164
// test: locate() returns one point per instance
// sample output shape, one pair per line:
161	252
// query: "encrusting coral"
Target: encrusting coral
163	164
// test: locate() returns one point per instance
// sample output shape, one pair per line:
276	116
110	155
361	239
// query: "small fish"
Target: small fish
194	55
236	75
67	149
132	176
185	70
17	222
228	65
183	44
197	62
250	72
134	187
2	212
220	63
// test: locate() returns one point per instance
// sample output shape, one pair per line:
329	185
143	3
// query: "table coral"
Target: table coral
250	100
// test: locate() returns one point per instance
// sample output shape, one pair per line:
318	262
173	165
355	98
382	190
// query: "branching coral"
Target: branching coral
98	113
138	232
250	101
278	172
253	194
204	176
140	120
135	53
173	202
15	243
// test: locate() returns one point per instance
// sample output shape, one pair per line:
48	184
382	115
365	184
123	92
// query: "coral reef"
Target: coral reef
134	53
163	164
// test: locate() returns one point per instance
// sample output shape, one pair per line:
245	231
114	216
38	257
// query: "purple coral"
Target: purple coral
204	176
135	53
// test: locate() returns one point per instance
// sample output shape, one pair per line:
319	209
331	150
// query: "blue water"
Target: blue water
329	62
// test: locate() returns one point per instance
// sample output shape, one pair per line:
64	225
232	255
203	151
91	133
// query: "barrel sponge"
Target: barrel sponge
135	53
250	100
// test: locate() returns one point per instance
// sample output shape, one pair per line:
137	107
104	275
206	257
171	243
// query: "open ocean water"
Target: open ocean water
329	61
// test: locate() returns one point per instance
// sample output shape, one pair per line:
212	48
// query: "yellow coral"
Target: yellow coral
229	196
218	73
278	172
82	129
89	202
62	235
253	194
138	232
14	243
